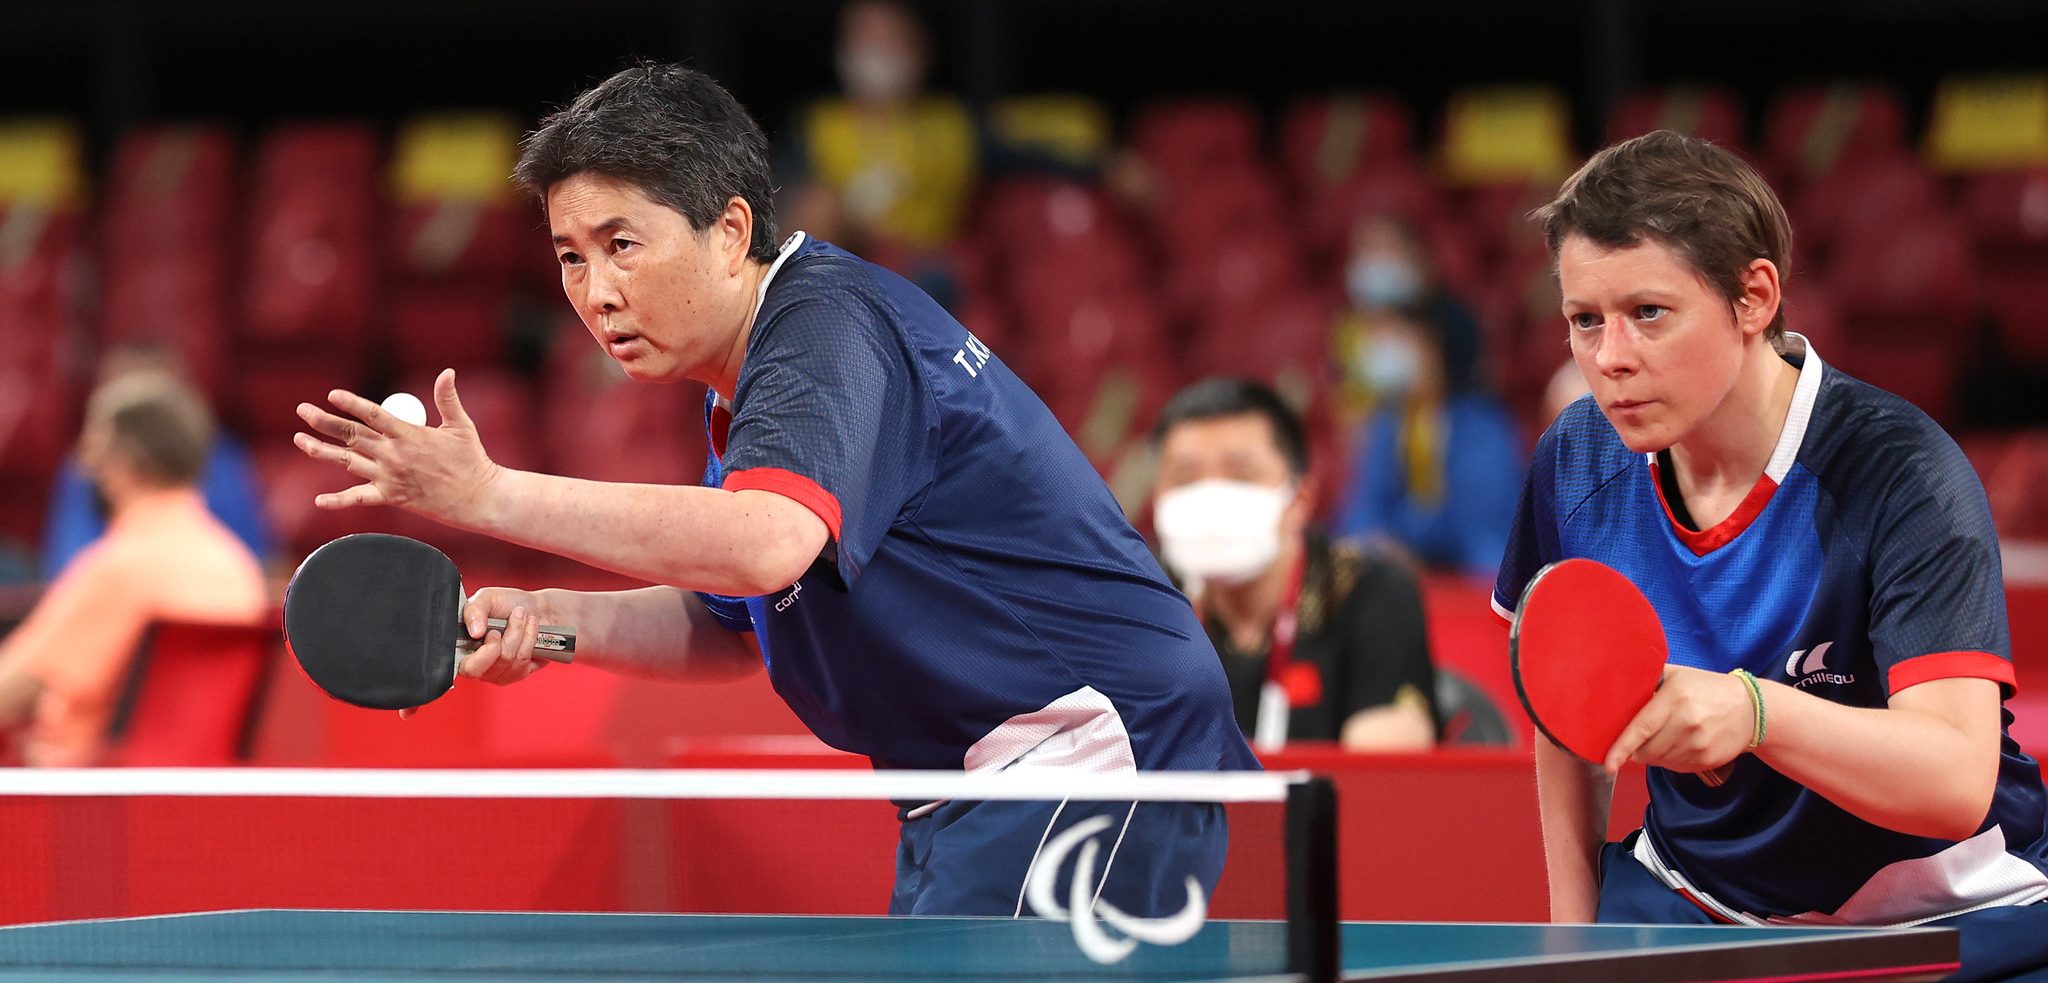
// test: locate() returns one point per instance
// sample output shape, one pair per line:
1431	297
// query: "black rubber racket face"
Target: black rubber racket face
373	619
1587	651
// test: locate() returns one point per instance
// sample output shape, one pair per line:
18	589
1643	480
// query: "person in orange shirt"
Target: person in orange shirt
164	557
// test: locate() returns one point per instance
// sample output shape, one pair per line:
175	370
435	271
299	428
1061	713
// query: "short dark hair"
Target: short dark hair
1703	202
158	424
1220	396
673	132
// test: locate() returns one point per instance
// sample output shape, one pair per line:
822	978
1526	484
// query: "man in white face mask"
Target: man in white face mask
1319	642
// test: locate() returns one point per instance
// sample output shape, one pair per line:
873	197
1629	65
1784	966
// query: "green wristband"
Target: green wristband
1756	704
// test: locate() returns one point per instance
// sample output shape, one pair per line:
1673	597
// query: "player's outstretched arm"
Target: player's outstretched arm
1925	765
744	543
657	632
1572	799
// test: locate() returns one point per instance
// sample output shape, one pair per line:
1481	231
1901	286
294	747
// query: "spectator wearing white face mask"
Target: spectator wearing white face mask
1319	641
1388	268
1434	467
886	167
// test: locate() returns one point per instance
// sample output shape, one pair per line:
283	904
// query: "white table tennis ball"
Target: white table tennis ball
407	407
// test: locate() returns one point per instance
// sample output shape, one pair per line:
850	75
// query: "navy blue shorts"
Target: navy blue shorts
972	858
2006	944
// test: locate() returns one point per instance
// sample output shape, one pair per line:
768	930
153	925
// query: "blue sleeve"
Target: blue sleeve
1533	536
74	521
1484	465
232	496
830	414
1937	588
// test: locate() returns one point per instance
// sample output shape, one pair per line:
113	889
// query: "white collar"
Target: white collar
789	247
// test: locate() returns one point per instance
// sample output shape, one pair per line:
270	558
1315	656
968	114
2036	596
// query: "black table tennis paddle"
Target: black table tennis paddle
376	620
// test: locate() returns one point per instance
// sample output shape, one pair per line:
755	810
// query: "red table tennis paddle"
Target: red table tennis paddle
376	620
1587	652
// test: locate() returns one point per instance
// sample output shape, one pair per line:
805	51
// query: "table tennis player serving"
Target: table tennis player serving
1588	657
862	443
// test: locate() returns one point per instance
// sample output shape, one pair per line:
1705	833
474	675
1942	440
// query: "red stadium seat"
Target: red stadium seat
463	240
39	334
170	193
191	695
289	481
1329	212
442	325
1205	211
1859	199
1711	113
1235	273
269	386
2018	302
603	426
1809	131
38	321
1282	340
1196	136
1910	299
1070	343
1025	213
1330	140
168	222
2007	212
311	266
1497	218
1811	310
1071	269
38	422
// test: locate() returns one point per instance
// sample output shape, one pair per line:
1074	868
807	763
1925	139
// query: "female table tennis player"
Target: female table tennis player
1824	563
932	572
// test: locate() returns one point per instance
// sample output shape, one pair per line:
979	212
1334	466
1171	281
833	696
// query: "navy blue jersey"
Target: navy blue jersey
982	600
1863	562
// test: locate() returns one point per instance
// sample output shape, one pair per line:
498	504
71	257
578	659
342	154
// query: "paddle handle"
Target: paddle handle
551	643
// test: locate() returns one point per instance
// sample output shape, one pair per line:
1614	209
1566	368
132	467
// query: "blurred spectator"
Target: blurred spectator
886	168
1319	642
78	516
163	557
1388	268
1436	469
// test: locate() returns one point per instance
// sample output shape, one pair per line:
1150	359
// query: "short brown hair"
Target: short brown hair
1704	203
157	423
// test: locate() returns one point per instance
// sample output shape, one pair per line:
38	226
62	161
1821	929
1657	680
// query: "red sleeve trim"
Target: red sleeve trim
1954	665
792	486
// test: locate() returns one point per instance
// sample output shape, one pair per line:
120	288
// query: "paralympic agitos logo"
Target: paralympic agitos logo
1085	905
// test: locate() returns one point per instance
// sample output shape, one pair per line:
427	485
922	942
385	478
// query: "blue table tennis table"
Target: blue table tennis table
442	946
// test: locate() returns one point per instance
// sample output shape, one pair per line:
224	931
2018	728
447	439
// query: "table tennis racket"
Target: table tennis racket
1587	652
376	620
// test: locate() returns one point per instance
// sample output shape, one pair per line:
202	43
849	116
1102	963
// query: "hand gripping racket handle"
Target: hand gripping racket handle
551	643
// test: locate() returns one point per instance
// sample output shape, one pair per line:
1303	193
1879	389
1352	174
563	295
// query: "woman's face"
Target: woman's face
1660	348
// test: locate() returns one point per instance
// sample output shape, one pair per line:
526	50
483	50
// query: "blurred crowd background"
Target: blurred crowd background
1119	196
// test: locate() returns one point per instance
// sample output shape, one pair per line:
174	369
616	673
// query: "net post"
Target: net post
1312	879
